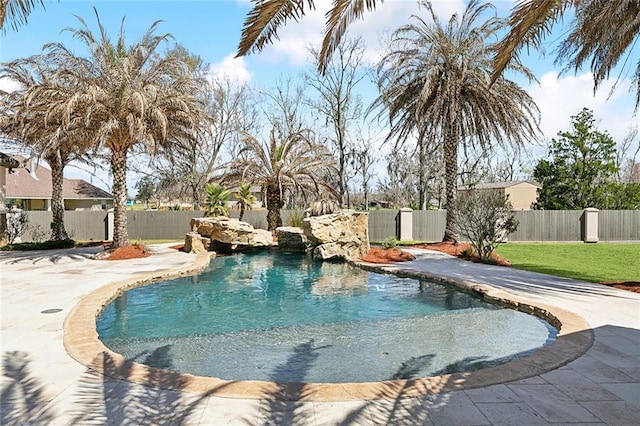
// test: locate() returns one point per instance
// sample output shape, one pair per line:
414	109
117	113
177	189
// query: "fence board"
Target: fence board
80	225
428	225
619	225
535	225
382	224
160	225
548	225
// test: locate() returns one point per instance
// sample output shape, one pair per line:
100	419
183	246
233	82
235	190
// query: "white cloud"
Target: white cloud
232	68
8	85
561	97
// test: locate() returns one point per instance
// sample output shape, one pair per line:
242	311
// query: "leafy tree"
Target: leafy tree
146	190
625	196
435	82
485	218
128	96
578	171
245	198
602	33
215	201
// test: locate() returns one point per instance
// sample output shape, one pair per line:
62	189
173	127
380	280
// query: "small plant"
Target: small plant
17	224
38	234
485	218
390	243
296	218
216	197
245	198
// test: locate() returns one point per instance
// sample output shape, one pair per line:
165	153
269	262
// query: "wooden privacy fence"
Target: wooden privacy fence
535	225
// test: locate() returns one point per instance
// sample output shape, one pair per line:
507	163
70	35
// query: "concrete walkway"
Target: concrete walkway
42	384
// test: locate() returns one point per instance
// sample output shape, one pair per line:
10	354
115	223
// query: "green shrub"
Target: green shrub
390	242
45	245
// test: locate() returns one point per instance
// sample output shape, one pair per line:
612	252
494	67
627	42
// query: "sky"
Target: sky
211	29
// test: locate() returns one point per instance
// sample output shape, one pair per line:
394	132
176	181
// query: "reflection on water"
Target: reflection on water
247	313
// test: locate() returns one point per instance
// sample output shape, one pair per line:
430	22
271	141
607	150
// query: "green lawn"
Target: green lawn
588	262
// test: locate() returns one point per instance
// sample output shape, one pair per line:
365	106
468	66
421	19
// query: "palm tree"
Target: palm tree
35	115
215	199
602	33
128	95
290	161
245	198
436	81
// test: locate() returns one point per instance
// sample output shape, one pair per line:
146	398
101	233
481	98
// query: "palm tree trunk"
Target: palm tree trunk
241	210
119	172
451	184
274	203
58	231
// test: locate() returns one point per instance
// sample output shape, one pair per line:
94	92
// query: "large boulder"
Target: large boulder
196	243
292	239
338	235
229	235
223	229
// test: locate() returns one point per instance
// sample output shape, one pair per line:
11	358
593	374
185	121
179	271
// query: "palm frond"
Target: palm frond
530	21
343	13
263	21
17	12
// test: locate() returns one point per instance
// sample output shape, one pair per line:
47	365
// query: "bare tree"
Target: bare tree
338	104
627	157
187	165
363	159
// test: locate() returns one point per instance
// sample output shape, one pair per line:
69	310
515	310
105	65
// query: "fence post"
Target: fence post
406	224
590	225
109	225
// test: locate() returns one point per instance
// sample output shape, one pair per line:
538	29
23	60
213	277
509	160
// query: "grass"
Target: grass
600	262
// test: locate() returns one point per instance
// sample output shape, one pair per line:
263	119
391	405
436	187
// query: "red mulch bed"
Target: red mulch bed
633	286
386	255
132	251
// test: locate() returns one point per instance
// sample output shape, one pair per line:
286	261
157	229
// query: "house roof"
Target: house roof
8	161
498	185
37	184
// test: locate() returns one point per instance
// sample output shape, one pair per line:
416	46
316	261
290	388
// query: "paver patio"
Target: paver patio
42	384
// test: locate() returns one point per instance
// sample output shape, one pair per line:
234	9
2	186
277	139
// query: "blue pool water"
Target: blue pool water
285	317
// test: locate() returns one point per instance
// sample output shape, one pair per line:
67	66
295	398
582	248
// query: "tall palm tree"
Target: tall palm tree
436	81
128	95
35	115
601	35
287	162
245	198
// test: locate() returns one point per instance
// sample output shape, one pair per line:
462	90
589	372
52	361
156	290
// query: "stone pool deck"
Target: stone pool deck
43	384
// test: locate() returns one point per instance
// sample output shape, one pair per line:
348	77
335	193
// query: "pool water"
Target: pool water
286	318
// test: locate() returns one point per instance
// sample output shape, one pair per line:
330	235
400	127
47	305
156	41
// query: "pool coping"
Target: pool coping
81	342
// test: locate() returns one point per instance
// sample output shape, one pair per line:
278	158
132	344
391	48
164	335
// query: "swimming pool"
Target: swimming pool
286	318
